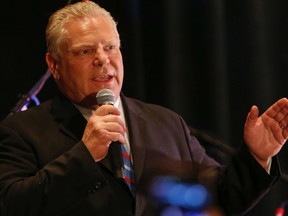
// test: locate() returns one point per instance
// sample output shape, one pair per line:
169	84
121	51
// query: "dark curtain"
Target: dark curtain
209	60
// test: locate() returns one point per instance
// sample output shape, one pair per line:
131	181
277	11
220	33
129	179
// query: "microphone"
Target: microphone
106	97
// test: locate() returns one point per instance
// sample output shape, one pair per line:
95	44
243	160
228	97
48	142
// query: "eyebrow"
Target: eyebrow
77	46
85	44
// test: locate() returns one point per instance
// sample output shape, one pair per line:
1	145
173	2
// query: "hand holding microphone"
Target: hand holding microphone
105	131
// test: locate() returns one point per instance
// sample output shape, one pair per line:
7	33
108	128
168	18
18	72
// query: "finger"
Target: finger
114	137
117	127
278	110
283	116
112	122
285	133
100	121
105	110
252	116
254	112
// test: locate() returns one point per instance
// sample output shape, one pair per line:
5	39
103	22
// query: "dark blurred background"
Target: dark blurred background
209	60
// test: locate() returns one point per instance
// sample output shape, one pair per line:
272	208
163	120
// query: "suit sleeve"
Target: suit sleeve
244	182
26	189
238	186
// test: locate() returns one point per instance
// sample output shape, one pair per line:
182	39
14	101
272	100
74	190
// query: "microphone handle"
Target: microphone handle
117	162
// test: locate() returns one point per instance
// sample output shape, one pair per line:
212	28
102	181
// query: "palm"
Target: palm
263	135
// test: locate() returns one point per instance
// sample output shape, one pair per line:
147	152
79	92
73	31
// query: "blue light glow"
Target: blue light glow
173	192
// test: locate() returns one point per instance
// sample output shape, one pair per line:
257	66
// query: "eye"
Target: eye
85	52
109	47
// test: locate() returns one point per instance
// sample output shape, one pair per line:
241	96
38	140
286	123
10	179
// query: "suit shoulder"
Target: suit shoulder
149	107
24	117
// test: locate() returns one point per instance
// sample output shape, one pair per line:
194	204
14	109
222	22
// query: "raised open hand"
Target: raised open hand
265	135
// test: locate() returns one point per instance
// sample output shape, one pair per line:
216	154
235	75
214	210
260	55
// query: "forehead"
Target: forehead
99	24
92	28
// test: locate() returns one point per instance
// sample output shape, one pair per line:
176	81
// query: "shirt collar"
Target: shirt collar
88	112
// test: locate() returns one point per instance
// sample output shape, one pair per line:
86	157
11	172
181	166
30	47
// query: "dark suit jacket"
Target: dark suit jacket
45	169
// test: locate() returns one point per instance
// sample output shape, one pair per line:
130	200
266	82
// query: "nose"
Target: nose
101	57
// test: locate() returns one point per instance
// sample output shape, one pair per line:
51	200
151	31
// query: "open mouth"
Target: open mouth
103	78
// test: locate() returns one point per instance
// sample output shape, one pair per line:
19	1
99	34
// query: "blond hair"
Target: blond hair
56	32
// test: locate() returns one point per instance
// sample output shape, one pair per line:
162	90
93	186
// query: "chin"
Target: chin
88	102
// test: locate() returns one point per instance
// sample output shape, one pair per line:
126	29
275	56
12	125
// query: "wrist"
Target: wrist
265	163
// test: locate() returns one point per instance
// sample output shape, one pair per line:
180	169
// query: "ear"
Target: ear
53	66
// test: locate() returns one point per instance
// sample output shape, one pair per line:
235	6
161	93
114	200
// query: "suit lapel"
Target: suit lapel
72	123
136	126
70	120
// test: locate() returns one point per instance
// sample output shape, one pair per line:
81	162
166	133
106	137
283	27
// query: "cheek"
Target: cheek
118	63
121	70
70	79
72	71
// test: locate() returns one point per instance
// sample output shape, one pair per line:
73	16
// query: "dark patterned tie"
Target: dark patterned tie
128	171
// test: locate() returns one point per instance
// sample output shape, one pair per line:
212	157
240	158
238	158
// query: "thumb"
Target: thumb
252	116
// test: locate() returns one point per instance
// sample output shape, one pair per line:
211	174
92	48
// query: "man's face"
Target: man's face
91	60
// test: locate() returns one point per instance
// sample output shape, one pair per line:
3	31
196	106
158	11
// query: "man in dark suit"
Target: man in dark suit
55	158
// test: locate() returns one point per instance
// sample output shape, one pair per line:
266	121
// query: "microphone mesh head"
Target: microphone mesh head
105	96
